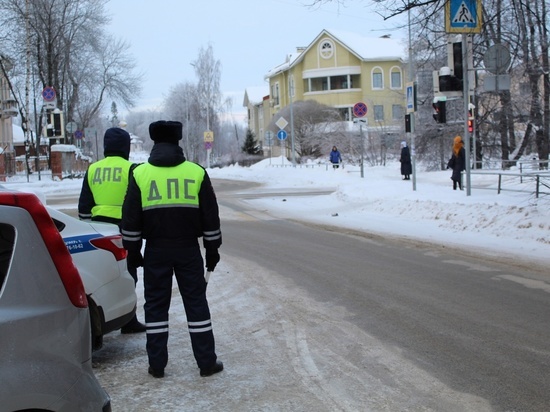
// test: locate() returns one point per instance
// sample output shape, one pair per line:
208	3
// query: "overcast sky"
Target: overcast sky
249	37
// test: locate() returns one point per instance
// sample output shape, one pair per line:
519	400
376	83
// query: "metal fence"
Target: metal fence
536	183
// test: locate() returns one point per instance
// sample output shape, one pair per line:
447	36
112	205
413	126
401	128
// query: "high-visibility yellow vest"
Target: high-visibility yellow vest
108	181
176	186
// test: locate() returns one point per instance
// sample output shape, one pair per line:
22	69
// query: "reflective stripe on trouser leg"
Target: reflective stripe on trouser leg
157	283
189	271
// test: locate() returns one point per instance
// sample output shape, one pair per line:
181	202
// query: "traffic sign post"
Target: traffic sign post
282	135
48	94
360	109
411	98
463	16
269	142
208	140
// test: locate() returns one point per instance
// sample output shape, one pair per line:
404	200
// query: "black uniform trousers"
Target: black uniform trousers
186	263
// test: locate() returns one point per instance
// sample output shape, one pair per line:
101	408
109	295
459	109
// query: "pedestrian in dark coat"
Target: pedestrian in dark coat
335	158
457	162
405	159
171	204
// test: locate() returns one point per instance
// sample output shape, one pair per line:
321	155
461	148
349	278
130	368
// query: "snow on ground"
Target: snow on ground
278	361
509	223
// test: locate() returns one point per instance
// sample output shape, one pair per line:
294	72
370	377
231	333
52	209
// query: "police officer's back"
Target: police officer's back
171	204
103	191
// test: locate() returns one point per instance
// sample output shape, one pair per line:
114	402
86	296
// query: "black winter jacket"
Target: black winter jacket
170	226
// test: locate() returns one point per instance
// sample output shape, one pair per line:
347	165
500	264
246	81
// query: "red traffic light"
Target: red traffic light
440	115
470	126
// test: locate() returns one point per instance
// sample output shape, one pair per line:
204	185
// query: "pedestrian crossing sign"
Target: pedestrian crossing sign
463	16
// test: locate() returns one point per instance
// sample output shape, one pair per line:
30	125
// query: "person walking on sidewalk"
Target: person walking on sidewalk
335	158
457	162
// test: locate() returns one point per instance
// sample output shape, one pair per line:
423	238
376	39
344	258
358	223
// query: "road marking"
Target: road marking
528	283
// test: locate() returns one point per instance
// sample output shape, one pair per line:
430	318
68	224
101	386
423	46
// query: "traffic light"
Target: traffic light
57	122
471	120
440	115
407	123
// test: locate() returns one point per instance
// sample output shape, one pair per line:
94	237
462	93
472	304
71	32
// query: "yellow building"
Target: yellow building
341	69
256	101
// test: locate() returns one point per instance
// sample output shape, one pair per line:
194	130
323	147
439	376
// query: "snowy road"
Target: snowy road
284	348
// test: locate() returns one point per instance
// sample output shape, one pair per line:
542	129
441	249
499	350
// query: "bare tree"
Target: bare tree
71	53
316	127
508	123
182	104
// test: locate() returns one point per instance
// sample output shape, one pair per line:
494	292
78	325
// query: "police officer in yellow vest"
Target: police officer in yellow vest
102	194
171	204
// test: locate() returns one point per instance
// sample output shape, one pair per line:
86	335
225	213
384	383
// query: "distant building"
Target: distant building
8	109
339	69
256	101
136	143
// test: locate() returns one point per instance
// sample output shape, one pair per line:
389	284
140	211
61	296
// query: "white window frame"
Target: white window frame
377	70
396	69
328	51
375	113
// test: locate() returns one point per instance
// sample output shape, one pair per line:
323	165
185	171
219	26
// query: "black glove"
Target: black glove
134	258
212	259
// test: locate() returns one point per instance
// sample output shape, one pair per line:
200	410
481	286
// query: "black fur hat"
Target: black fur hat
166	131
116	142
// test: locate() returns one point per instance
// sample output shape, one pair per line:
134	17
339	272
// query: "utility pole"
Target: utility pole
412	122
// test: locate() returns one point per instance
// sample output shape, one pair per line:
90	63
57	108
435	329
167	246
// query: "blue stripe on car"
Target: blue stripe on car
78	244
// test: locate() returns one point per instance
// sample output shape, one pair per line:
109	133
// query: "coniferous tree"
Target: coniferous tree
250	146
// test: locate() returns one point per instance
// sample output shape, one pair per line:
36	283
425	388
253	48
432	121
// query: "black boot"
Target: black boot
134	326
215	368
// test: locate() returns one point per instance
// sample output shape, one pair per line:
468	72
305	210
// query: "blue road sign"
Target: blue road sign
410	98
282	135
48	94
463	16
360	109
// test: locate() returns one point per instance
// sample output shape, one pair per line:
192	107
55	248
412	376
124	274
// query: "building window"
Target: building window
326	49
397	112
378	113
396	78
339	82
317	84
377	78
344	113
275	94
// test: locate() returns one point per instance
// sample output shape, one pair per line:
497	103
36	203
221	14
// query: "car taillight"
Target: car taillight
111	243
54	243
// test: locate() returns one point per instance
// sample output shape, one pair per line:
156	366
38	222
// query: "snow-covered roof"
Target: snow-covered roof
63	148
18	134
255	95
290	59
135	139
371	48
365	48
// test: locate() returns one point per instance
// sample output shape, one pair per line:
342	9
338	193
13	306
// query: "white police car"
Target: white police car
96	249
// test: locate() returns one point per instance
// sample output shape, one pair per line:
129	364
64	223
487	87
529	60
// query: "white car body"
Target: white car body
102	267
